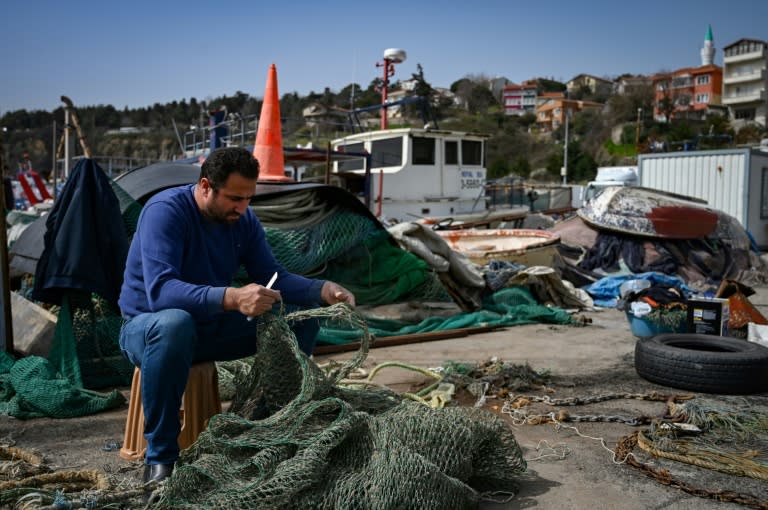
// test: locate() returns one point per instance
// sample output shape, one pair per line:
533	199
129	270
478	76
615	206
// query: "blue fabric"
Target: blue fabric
165	344
180	259
605	291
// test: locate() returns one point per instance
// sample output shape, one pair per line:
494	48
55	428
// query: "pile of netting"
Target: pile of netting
322	239
331	446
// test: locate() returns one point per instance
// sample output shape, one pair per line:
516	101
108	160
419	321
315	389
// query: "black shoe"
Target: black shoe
157	472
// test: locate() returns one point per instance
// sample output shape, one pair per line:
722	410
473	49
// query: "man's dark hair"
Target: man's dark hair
222	162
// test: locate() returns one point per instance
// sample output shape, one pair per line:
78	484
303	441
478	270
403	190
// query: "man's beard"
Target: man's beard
223	218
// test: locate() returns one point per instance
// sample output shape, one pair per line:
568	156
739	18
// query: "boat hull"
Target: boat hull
522	246
650	213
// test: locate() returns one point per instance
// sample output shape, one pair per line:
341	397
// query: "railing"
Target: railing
235	130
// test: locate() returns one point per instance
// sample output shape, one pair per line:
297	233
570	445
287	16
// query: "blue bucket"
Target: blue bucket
644	328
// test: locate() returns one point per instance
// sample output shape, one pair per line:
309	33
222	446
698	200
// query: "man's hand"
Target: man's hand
333	293
251	300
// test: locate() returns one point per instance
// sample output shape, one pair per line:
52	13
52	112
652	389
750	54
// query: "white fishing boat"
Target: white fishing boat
417	173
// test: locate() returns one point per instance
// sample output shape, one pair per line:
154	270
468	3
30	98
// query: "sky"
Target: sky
134	53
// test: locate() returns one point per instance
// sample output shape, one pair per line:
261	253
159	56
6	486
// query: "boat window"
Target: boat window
451	152
387	152
354	164
471	152
423	152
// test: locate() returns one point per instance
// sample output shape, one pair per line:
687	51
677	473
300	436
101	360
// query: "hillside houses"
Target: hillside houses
737	90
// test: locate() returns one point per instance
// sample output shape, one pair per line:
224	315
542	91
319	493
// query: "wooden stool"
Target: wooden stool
199	403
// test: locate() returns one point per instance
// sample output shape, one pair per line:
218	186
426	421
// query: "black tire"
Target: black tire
704	363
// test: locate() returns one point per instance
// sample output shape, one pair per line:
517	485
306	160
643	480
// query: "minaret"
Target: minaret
708	51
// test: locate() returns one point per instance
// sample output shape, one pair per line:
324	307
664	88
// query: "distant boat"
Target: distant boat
528	247
651	213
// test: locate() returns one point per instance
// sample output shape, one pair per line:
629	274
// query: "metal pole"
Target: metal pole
66	143
637	132
6	324
384	94
565	147
53	157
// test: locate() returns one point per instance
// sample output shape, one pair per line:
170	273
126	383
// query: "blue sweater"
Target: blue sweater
180	259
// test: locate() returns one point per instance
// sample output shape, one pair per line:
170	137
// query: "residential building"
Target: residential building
588	82
552	108
745	81
497	85
690	92
629	84
519	99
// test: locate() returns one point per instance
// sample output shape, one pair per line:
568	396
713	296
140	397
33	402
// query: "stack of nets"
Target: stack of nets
316	237
327	446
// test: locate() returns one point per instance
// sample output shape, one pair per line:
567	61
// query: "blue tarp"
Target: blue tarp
605	291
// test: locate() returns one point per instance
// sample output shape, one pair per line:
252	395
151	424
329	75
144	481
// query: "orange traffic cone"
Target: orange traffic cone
269	137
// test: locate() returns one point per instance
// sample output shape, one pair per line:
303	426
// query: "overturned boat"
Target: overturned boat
650	213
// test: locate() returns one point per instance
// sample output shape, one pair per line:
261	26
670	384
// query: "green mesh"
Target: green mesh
307	247
379	272
85	346
31	387
511	306
329	447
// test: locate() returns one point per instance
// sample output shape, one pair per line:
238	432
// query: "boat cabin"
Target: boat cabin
416	172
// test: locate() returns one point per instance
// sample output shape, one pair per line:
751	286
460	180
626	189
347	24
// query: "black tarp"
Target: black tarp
85	243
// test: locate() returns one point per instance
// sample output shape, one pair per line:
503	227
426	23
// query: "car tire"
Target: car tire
703	363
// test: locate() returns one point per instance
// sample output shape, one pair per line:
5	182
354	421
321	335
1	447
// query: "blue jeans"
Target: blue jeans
165	344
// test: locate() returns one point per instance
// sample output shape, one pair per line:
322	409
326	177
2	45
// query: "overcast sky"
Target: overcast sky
138	52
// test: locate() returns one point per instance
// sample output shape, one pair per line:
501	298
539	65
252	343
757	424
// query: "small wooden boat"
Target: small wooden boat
522	246
491	218
651	213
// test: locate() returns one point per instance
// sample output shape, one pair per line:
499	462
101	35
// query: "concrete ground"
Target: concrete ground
580	471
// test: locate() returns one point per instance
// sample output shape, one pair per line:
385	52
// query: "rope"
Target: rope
722	462
521	418
577	401
70	480
624	448
294	210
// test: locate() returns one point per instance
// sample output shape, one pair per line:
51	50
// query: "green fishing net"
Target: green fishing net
511	306
327	446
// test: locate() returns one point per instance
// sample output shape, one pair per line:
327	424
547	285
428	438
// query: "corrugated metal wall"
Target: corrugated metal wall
719	177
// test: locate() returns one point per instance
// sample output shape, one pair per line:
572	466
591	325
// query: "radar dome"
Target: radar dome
395	55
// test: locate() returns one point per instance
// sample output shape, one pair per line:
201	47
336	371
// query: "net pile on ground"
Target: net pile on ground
328	446
511	306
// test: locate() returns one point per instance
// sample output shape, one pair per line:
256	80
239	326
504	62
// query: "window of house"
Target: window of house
387	152
354	164
702	98
471	152
745	114
702	80
423	150
451	152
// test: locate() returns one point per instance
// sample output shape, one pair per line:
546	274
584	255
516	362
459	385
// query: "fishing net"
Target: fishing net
316	237
511	306
31	387
328	446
